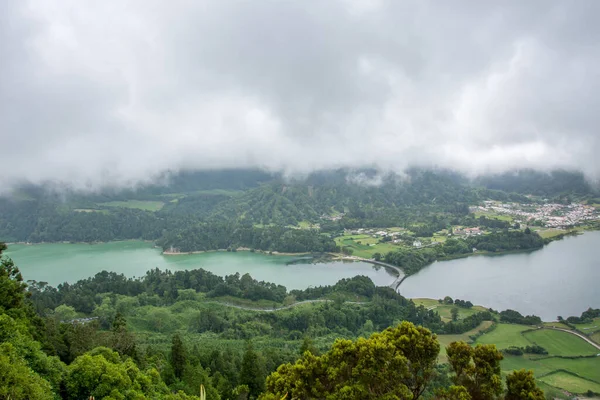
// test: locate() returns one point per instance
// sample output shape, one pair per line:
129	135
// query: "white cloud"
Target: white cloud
113	93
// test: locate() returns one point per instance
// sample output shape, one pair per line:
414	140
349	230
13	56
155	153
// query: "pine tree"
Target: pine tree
308	345
252	373
123	341
178	356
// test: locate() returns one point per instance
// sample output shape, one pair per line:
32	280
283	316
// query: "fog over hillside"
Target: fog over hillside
111	93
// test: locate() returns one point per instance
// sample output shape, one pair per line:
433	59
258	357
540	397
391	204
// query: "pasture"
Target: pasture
550	232
555	325
146	205
587	368
560	343
571	364
590	327
494	215
89	210
365	245
445	310
307	225
445	340
570	382
506	335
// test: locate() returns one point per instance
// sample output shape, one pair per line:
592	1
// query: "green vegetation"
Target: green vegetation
567	355
215	210
164	335
146	205
444	309
363	245
570	382
412	260
549	233
445	340
506	335
560	343
589	327
268	238
493	215
143	335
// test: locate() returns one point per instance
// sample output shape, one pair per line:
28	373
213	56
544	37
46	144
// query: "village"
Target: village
549	215
547	219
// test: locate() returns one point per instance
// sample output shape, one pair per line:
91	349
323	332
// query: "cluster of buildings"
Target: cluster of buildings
551	215
467	232
375	232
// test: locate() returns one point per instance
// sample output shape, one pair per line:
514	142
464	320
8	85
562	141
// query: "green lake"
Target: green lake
563	278
56	263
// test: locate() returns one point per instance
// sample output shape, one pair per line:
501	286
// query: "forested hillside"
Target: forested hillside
173	335
229	209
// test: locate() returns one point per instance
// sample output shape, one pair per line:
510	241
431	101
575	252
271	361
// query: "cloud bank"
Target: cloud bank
115	93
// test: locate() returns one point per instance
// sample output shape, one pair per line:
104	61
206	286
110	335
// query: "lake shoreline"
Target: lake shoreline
560	279
240	250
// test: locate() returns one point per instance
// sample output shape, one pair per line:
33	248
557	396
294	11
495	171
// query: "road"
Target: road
581	335
394	285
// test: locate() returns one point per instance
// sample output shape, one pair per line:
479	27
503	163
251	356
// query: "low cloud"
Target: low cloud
116	93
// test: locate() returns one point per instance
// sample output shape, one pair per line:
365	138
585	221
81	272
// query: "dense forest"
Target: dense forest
112	337
190	202
268	238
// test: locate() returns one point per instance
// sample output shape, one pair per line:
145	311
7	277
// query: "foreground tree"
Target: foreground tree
521	385
17	380
12	287
394	364
453	393
477	369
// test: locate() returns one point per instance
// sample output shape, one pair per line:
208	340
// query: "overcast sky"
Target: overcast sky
115	92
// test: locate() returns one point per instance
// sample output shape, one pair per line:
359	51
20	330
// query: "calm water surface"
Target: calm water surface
563	279
62	262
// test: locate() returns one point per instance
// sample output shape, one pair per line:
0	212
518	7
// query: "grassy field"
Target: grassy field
511	363
587	368
444	310
89	210
445	340
367	247
551	392
595	337
550	232
560	343
589	328
439	238
146	205
554	371
307	225
570	382
488	214
506	335
555	325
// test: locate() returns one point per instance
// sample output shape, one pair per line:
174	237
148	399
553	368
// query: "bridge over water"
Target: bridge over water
401	275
